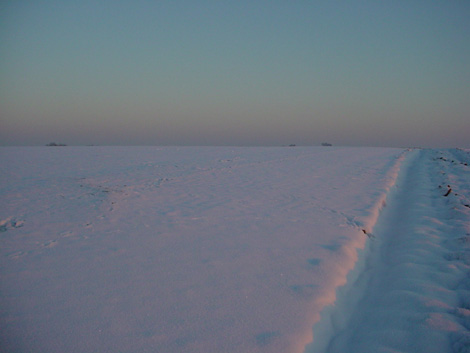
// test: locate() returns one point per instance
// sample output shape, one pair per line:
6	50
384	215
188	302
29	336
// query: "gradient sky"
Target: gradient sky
370	73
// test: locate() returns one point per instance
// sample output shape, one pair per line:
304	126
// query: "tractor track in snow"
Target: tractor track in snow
413	290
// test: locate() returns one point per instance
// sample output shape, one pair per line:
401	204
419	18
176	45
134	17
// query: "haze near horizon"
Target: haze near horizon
362	73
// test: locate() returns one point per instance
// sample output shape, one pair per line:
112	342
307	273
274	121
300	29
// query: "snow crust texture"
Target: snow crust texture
147	249
414	290
110	249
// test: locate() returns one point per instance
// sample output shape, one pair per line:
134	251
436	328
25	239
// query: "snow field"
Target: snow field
148	249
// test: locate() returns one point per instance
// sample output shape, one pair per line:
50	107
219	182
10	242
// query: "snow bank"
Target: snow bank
412	295
336	316
180	249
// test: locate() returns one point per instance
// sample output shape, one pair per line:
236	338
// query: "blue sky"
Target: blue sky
370	73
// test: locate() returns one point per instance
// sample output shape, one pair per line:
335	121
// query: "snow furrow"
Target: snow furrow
414	289
334	318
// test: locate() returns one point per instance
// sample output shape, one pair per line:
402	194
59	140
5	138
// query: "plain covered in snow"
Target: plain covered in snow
205	249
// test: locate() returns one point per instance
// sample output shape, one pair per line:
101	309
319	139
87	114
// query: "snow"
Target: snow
221	249
414	289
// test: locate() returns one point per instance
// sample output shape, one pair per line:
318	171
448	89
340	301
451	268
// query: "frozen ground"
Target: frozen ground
146	249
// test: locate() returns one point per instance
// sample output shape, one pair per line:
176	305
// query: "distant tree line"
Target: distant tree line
56	144
323	144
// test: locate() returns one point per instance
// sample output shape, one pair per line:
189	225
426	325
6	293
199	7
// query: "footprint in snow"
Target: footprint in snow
304	291
332	247
50	244
313	262
10	223
17	255
266	338
66	234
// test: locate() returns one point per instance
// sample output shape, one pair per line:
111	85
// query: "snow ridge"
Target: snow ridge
335	317
414	286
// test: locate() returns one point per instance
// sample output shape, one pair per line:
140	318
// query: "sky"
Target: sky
352	73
